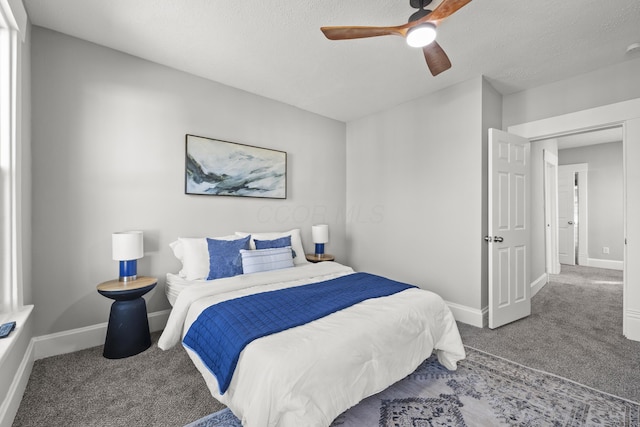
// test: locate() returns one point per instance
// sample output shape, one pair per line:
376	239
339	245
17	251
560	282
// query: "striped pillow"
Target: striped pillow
266	259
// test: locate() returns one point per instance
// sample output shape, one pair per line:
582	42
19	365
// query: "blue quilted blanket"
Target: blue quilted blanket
222	331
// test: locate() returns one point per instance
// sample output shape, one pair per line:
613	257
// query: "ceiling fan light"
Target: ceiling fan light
421	35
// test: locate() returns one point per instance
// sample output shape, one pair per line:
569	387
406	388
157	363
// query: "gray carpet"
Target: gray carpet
153	388
574	331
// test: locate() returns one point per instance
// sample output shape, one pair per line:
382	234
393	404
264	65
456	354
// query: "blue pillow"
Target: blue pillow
224	257
281	242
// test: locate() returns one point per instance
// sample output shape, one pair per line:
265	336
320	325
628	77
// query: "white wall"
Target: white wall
601	87
604	196
108	155
415	176
393	165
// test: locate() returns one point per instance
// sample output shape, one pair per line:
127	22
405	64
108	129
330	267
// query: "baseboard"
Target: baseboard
632	324
87	337
9	407
539	283
605	263
480	318
158	320
468	315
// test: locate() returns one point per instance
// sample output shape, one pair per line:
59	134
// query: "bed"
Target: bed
309	374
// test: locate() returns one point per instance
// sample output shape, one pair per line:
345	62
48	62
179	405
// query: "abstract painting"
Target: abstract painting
222	168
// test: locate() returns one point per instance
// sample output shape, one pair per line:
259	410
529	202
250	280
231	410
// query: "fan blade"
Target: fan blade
444	9
345	33
447	8
437	60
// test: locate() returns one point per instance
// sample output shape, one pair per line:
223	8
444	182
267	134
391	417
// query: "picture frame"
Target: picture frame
215	167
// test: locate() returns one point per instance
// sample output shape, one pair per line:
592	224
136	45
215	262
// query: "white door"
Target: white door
509	288
566	206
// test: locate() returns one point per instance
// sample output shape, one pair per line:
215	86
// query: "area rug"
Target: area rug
485	391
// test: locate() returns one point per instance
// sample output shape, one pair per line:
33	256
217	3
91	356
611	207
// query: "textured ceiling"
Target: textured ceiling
275	48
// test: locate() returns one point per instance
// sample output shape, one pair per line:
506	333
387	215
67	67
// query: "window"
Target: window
10	221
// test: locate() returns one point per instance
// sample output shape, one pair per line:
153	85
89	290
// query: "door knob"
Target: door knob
498	239
570	222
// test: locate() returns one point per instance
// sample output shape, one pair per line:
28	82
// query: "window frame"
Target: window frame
11	292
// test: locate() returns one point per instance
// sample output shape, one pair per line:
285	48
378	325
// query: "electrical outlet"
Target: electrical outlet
605	250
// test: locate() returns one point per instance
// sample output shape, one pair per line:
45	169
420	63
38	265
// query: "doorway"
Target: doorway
591	199
573	211
627	115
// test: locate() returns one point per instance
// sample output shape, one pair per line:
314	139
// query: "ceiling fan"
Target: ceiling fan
420	31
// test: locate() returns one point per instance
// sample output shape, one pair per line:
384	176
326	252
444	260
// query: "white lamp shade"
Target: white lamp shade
320	233
127	245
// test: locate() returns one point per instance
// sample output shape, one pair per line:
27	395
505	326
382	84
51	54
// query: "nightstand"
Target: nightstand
319	258
128	329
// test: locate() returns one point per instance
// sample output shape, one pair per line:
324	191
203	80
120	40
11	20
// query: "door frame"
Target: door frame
627	115
583	214
551	211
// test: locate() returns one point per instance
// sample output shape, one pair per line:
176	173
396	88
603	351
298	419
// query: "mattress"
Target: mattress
175	285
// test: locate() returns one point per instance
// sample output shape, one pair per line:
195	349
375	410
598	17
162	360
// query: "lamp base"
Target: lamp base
319	249
128	270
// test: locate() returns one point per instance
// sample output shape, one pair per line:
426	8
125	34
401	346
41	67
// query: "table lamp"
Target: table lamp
320	235
127	247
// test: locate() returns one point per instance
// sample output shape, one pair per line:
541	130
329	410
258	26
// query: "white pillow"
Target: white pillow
254	261
193	252
296	242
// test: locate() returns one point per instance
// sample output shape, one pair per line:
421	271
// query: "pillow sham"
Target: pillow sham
281	242
296	242
254	261
224	257
193	253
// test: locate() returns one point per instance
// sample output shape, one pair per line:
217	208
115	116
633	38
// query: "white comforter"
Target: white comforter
308	375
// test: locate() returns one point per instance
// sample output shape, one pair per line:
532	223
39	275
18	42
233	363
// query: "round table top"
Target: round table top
320	258
116	285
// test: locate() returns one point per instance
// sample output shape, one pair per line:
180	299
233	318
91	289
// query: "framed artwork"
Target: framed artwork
221	168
